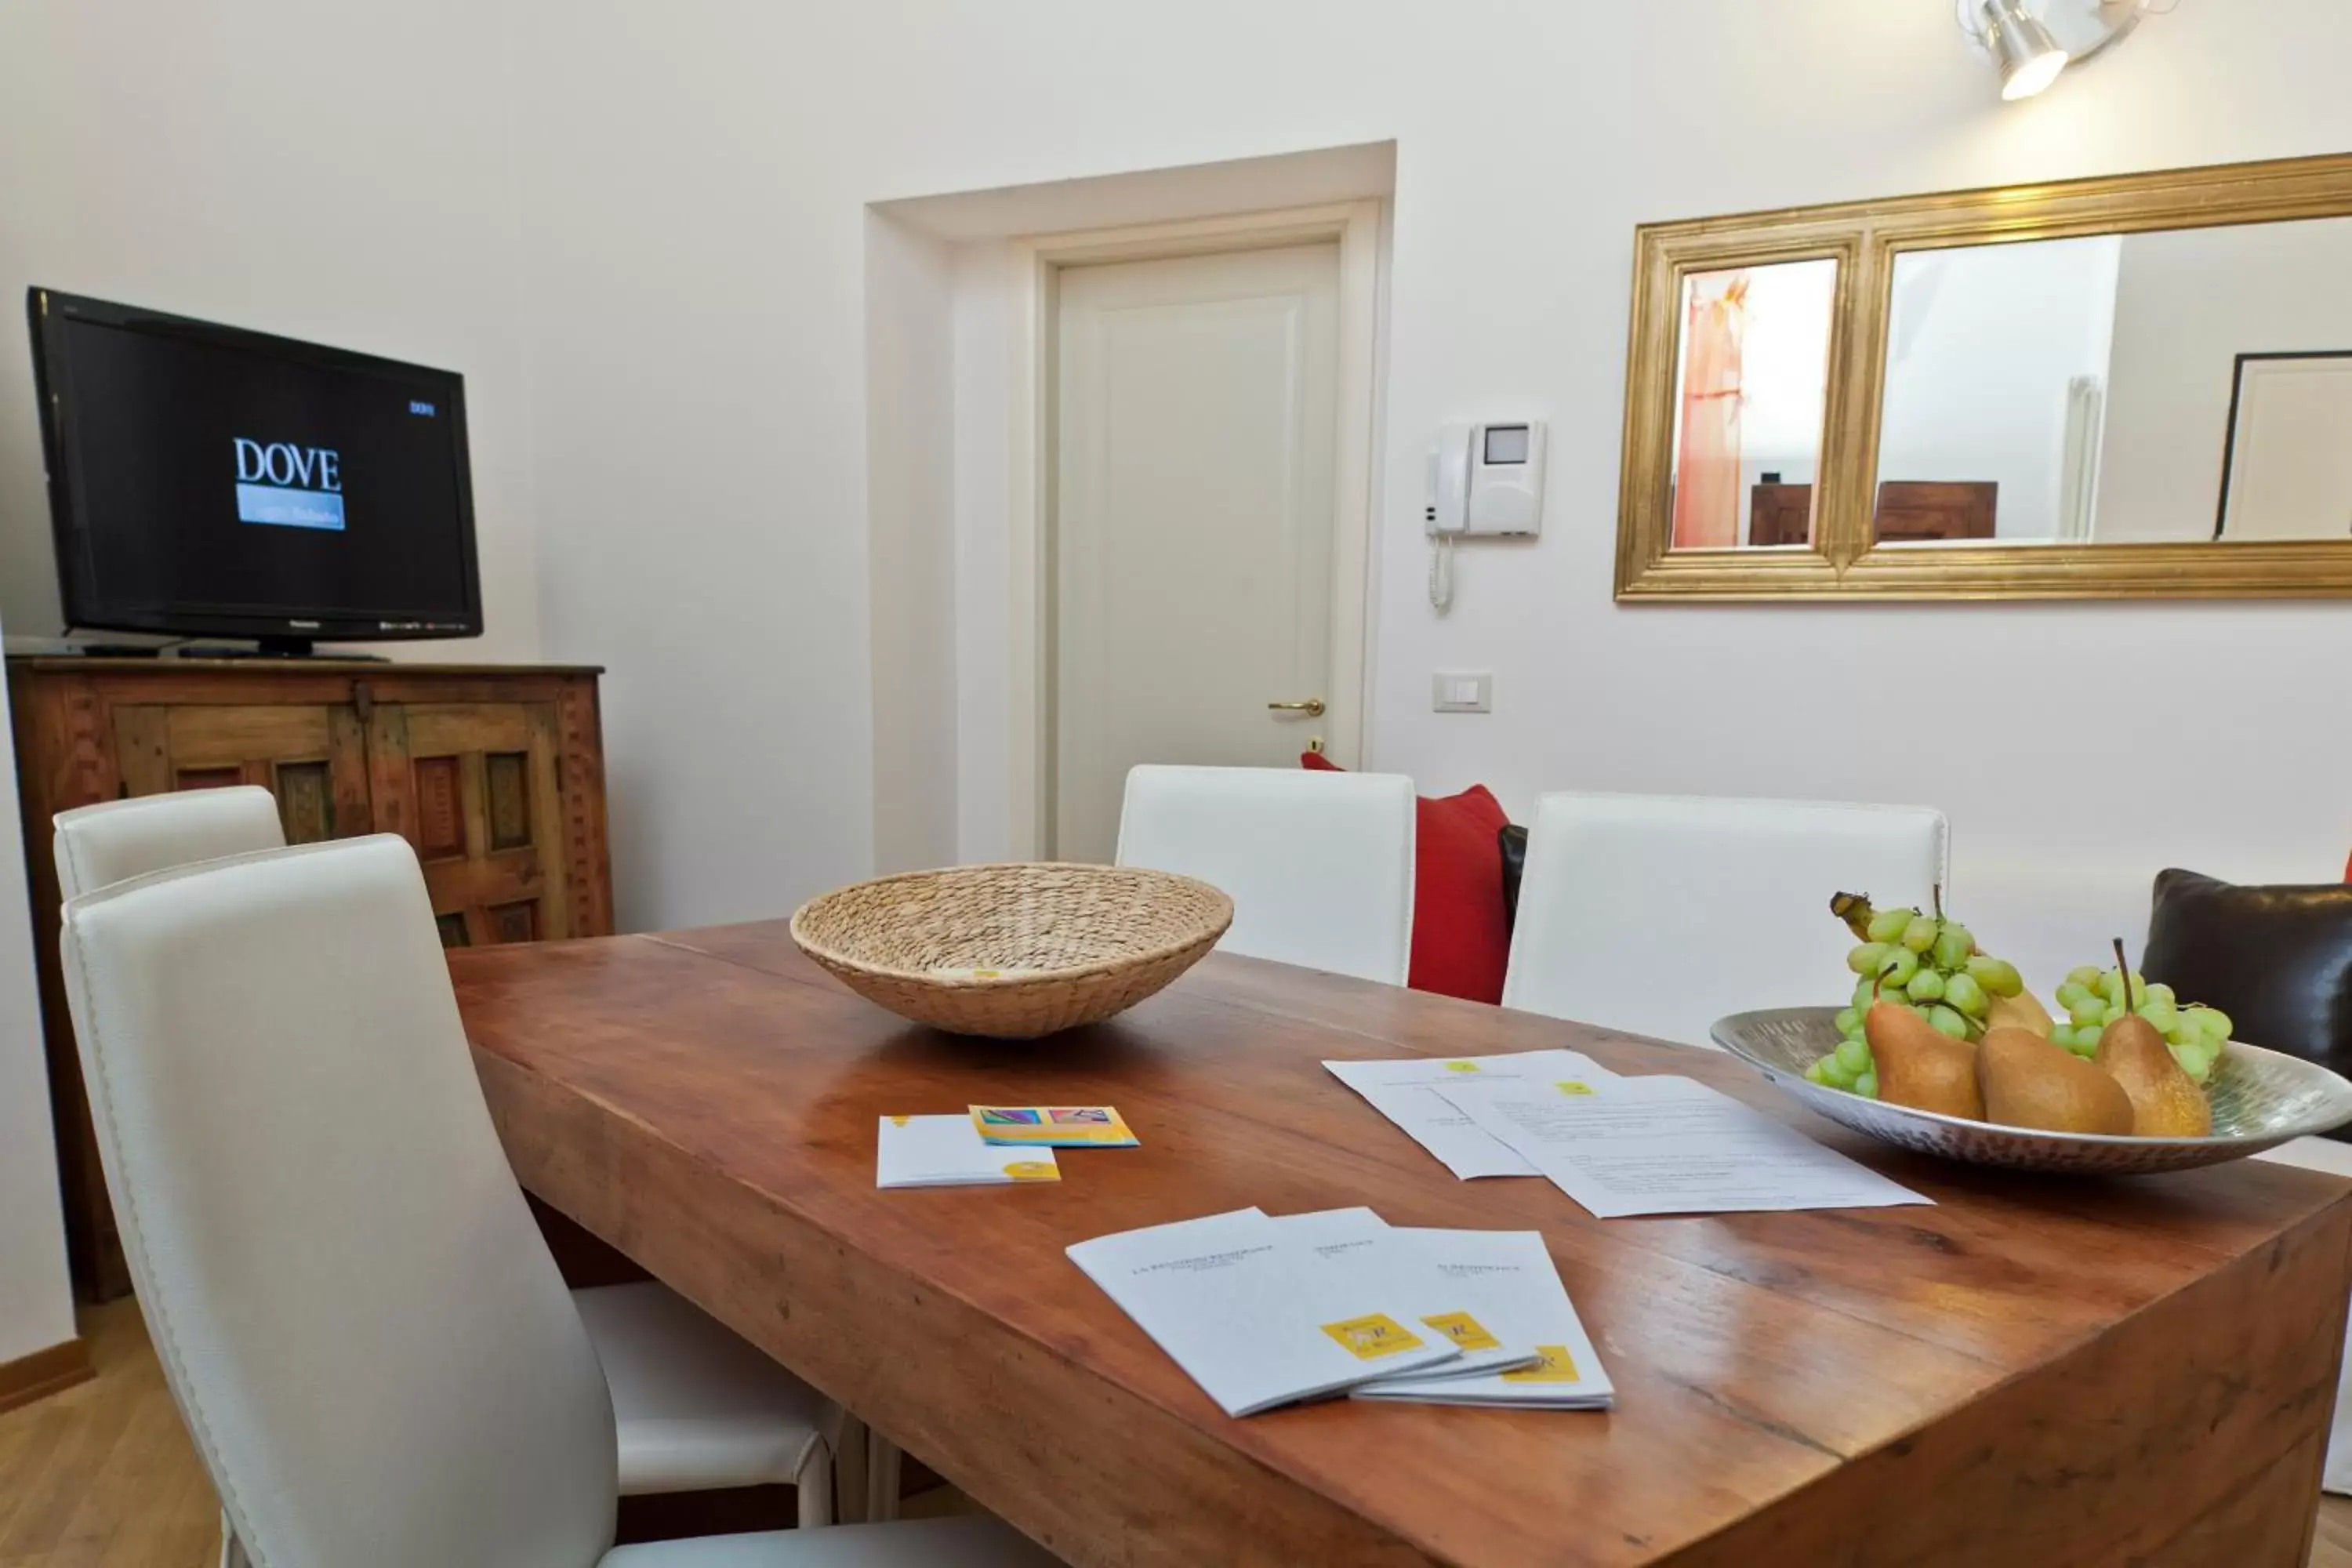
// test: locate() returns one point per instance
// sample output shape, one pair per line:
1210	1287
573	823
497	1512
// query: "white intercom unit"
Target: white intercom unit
1484	480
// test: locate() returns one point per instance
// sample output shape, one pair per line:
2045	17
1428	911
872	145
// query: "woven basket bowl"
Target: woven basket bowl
1014	950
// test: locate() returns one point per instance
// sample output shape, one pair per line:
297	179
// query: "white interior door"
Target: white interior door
1193	541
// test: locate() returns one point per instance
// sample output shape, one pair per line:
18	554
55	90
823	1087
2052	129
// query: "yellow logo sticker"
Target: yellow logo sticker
1368	1338
1033	1171
1557	1366
1464	1331
1461	1067
1572	1086
900	1120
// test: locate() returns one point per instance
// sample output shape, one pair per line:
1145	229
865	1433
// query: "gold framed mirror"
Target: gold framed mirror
2138	386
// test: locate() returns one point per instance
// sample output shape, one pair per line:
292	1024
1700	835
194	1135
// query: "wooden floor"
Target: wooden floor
101	1476
2332	1547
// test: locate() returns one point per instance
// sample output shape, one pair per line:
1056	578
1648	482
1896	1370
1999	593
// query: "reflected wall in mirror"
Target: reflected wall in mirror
2136	387
2166	387
1751	383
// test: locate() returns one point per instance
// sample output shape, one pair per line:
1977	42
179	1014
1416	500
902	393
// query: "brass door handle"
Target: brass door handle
1312	708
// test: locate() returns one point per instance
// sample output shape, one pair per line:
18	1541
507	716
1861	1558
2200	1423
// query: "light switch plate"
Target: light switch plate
1453	691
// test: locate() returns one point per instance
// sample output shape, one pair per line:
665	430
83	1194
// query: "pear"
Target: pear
2029	1082
1919	1065
2165	1101
2022	1011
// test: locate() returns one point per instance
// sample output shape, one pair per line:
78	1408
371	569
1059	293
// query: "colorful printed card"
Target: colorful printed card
946	1151
1053	1126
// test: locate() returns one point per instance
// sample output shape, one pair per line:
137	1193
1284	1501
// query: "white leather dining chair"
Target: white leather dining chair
1318	865
1659	914
371	1348
699	1409
118	840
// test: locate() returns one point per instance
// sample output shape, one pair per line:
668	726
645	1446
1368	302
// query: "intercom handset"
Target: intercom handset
1484	480
1449	479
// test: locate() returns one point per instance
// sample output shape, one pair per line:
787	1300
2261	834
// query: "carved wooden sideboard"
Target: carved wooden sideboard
495	772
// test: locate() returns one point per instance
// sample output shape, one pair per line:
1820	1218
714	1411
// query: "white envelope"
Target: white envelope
948	1151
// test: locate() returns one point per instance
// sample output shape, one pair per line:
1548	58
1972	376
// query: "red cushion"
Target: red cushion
1461	941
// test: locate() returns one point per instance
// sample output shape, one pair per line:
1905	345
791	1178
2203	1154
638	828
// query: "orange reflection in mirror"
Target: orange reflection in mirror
1707	474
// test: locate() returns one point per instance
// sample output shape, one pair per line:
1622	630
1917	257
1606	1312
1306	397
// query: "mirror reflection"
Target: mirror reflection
1751	381
2164	386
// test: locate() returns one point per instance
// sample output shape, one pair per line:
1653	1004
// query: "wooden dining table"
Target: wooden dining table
2033	1371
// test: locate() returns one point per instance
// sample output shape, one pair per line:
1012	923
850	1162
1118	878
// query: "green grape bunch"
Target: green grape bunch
2091	998
1918	960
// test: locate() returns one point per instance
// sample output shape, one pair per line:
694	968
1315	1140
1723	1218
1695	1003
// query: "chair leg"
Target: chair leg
814	1486
881	1478
849	1471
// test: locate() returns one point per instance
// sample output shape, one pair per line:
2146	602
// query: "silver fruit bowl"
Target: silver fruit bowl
2261	1100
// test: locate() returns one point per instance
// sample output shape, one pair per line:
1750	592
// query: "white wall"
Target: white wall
986	276
35	1303
697	176
684	229
910	460
1981	346
693	182
2188	304
331	172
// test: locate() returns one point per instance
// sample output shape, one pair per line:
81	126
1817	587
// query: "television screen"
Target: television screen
205	479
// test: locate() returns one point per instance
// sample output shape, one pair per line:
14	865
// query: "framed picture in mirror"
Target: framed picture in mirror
2287	472
2138	386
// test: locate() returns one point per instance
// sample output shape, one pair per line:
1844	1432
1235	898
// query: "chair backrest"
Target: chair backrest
1659	914
1318	865
364	1332
118	840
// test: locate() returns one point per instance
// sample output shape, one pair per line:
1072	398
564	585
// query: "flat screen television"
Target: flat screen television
209	481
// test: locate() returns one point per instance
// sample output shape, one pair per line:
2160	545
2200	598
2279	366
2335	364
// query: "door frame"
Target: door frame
1037	264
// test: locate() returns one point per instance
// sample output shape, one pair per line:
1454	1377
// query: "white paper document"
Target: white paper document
1512	1288
1392	1264
948	1151
1408	1091
1252	1314
1668	1145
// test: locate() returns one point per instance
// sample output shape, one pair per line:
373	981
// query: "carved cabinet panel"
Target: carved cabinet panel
314	759
475	787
